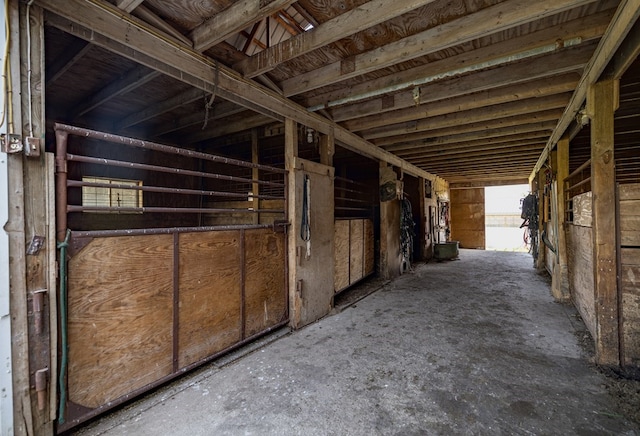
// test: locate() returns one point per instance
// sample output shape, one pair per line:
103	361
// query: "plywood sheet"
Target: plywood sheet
356	251
582	207
210	296
120	317
265	292
341	255
369	248
580	267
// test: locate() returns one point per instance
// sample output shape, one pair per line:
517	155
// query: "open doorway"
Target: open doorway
502	219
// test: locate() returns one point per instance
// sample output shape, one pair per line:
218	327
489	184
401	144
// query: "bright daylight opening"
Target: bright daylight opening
502	218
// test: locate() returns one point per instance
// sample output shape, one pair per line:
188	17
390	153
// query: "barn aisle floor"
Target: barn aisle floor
472	346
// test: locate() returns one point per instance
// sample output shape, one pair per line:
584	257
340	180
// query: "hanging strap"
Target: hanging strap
305	224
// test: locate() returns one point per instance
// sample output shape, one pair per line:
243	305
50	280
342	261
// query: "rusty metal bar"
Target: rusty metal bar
77	183
180	171
61	184
79	131
163	231
74	208
353	182
583	182
579	169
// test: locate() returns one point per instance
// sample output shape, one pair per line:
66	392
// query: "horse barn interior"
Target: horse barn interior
184	177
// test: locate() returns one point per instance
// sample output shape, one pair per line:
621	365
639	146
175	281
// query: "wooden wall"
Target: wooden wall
353	251
467	217
143	307
580	271
630	271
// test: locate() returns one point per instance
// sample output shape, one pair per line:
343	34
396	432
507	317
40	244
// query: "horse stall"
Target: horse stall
169	257
355	224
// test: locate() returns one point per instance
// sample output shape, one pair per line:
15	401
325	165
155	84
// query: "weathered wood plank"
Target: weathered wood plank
209	294
353	21
120	317
341	254
580	269
237	17
265	292
629	191
630	256
631	332
582	209
602	103
356	251
492	19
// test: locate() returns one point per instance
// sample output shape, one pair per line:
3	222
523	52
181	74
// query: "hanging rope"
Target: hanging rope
305	224
62	386
208	105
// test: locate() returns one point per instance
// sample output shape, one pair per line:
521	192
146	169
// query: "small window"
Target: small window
114	193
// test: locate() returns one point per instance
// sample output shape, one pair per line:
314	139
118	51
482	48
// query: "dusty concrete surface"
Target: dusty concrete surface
474	346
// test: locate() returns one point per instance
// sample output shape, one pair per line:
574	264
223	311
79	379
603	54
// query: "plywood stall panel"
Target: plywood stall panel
210	294
356	251
467	217
341	254
120	317
630	271
580	269
265	293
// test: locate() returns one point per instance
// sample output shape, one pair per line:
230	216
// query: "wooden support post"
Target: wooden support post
560	278
327	149
422	225
255	175
290	154
602	101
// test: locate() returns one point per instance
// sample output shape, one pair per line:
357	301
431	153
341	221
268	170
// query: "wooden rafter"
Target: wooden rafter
349	23
496	18
583	30
133	79
238	16
71	54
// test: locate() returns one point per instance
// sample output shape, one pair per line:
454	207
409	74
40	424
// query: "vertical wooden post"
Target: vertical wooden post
422	225
255	175
290	154
560	278
327	149
602	101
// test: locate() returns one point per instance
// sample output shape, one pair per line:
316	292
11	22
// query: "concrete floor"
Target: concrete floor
473	346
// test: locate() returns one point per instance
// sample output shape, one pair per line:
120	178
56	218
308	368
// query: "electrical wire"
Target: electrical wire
29	67
5	68
62	386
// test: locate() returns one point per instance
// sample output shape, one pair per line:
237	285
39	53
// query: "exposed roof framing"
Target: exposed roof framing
476	91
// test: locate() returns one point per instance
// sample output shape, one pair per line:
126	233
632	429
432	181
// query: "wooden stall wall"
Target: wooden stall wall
144	308
467	217
353	251
580	260
630	272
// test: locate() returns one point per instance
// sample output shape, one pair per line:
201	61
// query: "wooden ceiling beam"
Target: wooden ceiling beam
160	108
494	135
566	61
218	111
128	5
621	24
537	118
490	182
232	20
353	21
131	80
528	106
104	25
69	56
582	29
521	150
227	127
505	15
150	17
537	88
470	149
